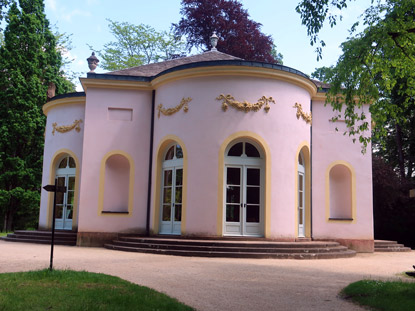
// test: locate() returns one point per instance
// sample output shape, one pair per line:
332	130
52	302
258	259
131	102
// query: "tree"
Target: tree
29	63
372	67
377	67
3	6
313	15
238	34
136	45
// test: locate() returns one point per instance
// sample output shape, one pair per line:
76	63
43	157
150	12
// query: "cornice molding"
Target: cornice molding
63	101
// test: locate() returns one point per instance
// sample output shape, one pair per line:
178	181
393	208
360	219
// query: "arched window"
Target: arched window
117	184
65	175
172	190
340	187
243	193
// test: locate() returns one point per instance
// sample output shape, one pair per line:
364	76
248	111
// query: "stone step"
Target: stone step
230	243
241	254
390	246
227	248
231	248
42	237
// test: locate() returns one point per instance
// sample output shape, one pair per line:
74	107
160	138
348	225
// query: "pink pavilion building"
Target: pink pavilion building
205	146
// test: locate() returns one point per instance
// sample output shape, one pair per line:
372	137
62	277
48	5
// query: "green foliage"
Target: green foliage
396	296
136	45
377	67
71	290
313	15
29	62
3	6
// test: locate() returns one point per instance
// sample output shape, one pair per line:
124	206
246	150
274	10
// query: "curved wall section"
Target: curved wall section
204	124
63	134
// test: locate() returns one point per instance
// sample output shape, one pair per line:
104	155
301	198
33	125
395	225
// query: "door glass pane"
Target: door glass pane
63	163
71	183
168	175
178	212
252	213
300	199
166	212
69	211
71	197
233	176
61	181
251	151
235	151
300	182
170	154
72	162
59	212
167	195
179	177
178	195
179	152
252	195
59	197
233	194
253	176
300	216
232	212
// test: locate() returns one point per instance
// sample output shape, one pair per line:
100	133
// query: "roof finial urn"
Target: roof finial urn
92	62
214	41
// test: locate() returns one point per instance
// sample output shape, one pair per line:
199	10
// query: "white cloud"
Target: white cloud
51	4
68	16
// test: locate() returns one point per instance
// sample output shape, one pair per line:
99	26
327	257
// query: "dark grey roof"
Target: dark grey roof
154	69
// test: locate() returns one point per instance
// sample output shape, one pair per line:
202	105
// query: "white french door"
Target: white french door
243	205
65	202
301	201
171	200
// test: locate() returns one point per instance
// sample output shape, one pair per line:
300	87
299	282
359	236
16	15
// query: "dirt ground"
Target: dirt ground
221	283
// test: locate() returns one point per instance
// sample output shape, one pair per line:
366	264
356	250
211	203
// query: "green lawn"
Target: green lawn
4	233
71	290
396	296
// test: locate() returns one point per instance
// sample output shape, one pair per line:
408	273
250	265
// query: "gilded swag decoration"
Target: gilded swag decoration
66	128
184	103
229	100
300	113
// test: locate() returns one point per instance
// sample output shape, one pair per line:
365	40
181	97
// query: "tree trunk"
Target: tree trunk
8	220
401	161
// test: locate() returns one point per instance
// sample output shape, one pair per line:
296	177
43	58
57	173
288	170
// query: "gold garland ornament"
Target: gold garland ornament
184	103
228	100
66	128
307	117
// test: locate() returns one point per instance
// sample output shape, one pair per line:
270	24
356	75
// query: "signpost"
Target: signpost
53	188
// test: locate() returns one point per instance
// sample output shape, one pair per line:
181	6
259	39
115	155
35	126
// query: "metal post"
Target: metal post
53	226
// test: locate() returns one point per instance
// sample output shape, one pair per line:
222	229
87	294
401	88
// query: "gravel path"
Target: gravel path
221	283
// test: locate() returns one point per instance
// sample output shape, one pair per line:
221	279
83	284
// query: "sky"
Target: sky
86	22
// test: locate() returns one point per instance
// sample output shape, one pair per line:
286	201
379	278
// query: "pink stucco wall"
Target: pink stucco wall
72	141
104	134
206	126
328	146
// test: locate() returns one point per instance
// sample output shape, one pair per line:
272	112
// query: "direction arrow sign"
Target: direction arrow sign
53	188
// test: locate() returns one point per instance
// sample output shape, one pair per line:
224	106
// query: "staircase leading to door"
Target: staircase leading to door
390	246
232	248
42	237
